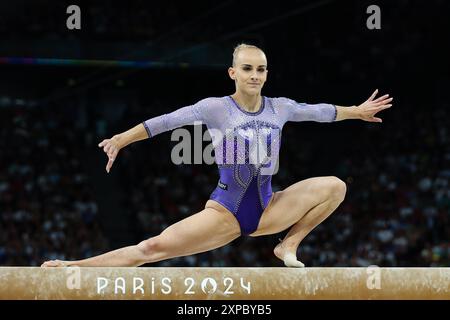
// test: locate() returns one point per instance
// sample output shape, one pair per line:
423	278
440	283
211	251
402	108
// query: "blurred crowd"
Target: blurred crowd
47	208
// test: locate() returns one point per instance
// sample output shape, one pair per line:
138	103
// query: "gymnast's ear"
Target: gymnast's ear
232	73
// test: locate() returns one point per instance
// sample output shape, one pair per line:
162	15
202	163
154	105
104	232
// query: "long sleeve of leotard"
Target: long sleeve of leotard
295	111
178	118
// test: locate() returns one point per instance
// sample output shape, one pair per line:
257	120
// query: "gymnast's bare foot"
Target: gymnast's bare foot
287	256
54	263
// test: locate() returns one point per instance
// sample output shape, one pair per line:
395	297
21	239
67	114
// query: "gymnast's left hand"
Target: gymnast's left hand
111	147
370	107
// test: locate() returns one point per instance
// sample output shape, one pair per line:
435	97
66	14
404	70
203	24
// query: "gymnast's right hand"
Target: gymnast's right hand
111	147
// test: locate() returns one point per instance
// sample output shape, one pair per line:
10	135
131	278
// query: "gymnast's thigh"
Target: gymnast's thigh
288	206
206	230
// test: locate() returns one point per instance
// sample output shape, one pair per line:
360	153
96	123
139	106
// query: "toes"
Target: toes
299	264
290	260
46	264
52	263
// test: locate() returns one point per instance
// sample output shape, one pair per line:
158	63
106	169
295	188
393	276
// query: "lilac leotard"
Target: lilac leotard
246	146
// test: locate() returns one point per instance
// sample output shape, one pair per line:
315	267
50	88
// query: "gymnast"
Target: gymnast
243	202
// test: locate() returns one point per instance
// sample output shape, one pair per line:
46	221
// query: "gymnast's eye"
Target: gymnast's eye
247	68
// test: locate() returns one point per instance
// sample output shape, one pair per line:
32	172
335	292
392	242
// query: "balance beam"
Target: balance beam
74	283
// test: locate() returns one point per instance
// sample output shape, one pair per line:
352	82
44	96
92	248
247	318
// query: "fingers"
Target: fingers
373	95
103	143
371	106
376	104
111	151
382	102
108	148
111	157
109	164
107	145
381	98
378	109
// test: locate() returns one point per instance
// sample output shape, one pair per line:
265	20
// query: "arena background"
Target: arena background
57	202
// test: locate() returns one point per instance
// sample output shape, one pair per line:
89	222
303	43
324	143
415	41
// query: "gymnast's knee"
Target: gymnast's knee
150	247
338	188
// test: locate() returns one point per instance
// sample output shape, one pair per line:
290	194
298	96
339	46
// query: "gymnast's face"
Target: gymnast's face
249	71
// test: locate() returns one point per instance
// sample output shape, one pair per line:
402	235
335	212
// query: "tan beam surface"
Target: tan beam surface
224	283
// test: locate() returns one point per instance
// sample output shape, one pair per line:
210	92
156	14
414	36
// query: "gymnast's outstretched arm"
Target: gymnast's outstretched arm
325	112
151	127
365	111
